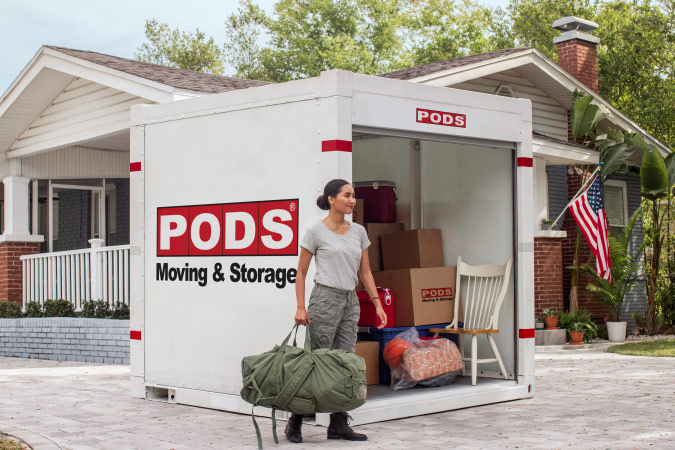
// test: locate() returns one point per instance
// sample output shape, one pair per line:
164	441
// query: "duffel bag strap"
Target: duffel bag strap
255	423
293	385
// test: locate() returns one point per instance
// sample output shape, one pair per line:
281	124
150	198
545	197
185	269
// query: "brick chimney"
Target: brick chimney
577	49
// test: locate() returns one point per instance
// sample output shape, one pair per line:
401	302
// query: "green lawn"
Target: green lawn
650	348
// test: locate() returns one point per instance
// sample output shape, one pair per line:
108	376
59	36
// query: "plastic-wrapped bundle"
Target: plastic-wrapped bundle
433	362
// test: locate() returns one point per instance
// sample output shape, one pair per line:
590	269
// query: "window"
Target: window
616	203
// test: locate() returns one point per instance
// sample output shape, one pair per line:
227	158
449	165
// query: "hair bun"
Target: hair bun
322	202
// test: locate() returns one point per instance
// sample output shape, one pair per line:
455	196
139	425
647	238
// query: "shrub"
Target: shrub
579	320
89	308
120	311
9	310
34	309
101	309
59	308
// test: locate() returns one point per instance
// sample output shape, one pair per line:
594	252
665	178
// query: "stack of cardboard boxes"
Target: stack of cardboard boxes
411	265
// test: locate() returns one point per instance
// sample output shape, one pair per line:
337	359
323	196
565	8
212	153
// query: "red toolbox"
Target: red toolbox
379	200
368	317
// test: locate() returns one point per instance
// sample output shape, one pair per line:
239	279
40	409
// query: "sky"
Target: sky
113	27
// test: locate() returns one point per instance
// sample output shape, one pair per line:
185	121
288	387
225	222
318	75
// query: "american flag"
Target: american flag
589	212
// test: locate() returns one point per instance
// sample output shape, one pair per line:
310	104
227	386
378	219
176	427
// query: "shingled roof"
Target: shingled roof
170	76
438	66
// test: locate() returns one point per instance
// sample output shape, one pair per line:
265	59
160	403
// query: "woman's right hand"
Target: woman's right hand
301	316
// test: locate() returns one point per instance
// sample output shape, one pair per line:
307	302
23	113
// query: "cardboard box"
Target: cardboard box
358	212
412	249
421	296
375	232
370	351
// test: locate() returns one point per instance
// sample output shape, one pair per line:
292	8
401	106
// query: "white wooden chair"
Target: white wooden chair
485	291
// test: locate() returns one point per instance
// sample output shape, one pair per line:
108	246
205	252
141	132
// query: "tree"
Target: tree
173	48
306	37
636	54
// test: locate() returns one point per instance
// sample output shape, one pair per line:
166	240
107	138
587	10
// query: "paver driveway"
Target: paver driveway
584	400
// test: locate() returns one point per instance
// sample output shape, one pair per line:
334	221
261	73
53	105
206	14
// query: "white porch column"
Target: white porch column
96	269
17	211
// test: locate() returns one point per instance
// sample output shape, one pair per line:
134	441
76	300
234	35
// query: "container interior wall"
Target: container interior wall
467	193
385	158
195	336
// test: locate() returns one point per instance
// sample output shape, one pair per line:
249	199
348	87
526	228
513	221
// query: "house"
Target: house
64	159
527	73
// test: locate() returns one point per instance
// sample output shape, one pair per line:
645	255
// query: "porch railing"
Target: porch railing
97	273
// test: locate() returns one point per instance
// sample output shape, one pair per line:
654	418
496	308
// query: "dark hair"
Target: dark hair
332	189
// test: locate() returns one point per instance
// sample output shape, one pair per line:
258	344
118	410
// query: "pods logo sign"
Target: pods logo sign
441	118
229	229
440	292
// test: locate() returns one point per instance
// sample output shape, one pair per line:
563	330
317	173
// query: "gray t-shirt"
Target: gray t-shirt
337	257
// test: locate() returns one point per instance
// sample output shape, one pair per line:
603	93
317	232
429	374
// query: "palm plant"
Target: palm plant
626	267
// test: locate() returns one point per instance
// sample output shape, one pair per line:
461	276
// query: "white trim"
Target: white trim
624	188
560	153
550	234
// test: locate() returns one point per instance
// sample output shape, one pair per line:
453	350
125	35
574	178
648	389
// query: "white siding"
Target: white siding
82	107
548	116
76	162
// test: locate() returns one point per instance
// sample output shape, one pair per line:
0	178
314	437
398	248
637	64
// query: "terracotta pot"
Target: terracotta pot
576	337
551	323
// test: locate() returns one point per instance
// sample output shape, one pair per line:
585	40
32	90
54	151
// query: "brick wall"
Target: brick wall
66	339
548	289
579	58
74	220
10	269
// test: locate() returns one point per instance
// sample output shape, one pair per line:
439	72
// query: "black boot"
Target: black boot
293	431
339	428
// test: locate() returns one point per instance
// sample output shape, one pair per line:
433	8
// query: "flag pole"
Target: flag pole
577	194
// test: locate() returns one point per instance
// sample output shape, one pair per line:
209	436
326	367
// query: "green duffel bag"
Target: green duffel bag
302	380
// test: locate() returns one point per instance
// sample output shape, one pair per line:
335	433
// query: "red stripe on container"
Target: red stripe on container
135	335
525	162
336	145
526	333
135	167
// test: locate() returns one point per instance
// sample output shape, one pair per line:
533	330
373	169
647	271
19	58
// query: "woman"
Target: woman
340	249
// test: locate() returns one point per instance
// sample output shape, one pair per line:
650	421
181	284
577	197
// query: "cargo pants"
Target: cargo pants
334	314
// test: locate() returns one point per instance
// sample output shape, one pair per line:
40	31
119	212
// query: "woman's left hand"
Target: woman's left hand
382	315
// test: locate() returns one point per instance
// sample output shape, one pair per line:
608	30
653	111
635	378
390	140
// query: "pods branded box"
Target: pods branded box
422	296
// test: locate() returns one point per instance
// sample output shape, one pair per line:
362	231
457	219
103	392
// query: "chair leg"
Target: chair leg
493	344
474	359
461	352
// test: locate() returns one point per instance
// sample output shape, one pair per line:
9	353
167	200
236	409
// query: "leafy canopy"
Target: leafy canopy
173	48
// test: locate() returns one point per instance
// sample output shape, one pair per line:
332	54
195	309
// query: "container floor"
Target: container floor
386	404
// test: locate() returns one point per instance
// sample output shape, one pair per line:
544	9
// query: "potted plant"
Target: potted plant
625	273
539	324
546	223
550	318
579	320
576	331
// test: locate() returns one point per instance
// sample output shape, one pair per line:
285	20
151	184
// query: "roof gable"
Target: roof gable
529	63
170	76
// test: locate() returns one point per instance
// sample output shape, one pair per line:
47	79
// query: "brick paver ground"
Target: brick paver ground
584	400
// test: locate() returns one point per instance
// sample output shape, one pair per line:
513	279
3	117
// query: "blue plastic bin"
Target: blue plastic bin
387	334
